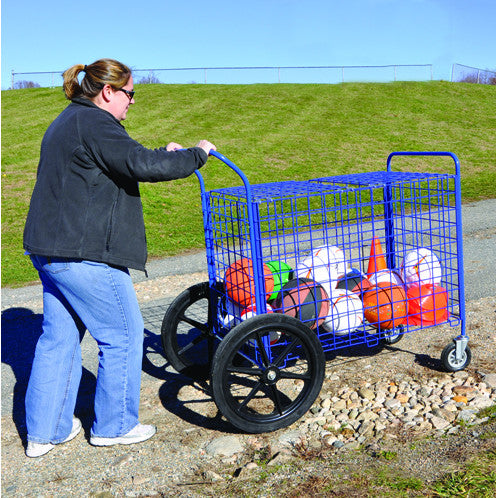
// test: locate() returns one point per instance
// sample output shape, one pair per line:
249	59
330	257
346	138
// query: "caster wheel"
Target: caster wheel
186	331
450	361
393	337
267	372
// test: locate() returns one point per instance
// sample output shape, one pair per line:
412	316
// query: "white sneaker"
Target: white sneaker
138	434
34	450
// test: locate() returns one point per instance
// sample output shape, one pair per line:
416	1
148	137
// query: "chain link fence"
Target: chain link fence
275	74
250	75
469	74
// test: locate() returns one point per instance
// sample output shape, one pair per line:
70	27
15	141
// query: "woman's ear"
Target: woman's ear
107	92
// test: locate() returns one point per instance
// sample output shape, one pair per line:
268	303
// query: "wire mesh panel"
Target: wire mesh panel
357	257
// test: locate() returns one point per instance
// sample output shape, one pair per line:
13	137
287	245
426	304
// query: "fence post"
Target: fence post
12	85
394	73
205	75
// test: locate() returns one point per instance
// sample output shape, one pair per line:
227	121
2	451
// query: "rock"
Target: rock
490	380
460	399
280	458
367	393
291	438
211	476
326	403
481	402
466	415
392	403
224	446
402	398
340	405
439	423
463	390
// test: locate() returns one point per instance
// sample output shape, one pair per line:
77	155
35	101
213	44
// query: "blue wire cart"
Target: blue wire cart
300	268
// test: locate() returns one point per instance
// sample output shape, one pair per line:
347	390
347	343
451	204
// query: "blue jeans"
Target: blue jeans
80	295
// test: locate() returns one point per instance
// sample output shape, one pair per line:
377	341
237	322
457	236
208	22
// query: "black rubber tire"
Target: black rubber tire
262	389
449	361
393	339
186	331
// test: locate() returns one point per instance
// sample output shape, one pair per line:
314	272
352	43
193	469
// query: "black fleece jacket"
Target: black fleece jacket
86	201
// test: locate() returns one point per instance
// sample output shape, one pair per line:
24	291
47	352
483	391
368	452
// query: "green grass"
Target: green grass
273	132
478	480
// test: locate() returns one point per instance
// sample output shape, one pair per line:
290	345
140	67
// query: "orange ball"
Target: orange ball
385	305
239	282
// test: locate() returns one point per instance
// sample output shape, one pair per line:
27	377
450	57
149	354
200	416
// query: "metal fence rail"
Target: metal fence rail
250	74
469	74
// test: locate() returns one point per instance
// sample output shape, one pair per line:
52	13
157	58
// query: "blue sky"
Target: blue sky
53	35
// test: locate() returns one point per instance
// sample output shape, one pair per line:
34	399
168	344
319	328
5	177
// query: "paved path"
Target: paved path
21	324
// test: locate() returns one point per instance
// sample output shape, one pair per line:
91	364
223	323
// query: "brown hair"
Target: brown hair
97	75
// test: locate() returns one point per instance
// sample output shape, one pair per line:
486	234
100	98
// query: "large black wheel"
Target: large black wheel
450	361
267	372
186	334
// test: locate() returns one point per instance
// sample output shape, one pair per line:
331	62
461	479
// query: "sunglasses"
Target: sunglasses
129	93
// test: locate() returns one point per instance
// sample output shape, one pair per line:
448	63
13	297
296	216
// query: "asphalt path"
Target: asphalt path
21	325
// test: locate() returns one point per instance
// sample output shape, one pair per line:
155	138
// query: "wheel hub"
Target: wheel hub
271	376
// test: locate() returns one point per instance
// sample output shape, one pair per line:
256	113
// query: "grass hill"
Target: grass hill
273	132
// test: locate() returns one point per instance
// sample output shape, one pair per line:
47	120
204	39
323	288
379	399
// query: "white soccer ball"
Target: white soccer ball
249	312
346	313
386	276
421	266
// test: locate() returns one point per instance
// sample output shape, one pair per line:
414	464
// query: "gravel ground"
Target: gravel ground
197	453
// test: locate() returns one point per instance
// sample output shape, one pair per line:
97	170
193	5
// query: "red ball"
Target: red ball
385	305
304	299
427	304
239	282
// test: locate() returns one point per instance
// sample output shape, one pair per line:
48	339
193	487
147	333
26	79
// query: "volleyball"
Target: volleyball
346	313
421	266
386	276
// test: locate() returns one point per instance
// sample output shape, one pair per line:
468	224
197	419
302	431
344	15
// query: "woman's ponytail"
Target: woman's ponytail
97	75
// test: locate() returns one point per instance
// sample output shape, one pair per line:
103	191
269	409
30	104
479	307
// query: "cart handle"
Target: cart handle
441	153
253	239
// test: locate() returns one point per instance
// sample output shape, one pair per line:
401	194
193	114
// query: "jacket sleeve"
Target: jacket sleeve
115	152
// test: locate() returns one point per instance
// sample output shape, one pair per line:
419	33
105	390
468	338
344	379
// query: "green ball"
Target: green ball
282	273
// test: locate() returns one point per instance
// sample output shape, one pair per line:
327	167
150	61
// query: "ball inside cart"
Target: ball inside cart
385	305
304	299
386	276
239	282
229	313
282	273
334	258
346	313
427	304
421	266
352	281
273	336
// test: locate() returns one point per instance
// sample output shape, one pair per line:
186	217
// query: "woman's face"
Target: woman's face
120	101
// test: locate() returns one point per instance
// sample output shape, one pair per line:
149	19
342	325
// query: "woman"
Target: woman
84	229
